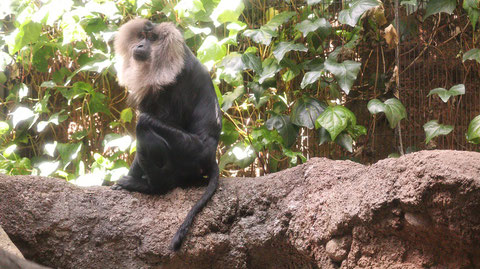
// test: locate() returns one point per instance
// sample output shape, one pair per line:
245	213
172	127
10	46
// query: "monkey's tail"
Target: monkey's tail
183	230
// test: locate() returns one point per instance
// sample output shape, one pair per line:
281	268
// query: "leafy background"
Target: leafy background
291	78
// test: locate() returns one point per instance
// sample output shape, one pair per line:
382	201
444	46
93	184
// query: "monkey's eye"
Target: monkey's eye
141	35
153	37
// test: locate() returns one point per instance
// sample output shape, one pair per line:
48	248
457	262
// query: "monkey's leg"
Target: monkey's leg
135	180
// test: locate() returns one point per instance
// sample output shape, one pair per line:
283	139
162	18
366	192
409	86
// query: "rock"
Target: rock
7	245
337	248
397	217
12	261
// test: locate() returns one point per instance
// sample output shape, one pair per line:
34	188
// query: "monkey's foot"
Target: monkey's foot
130	183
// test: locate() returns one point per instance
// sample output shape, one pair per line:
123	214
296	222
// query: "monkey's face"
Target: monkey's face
146	38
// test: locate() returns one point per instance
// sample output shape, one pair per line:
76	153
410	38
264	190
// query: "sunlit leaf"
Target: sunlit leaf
355	10
335	119
283	47
434	129
113	141
269	69
21	114
229	134
4	128
473	132
49	148
126	115
186	8
308	26
9	151
227	11
263	35
345	73
48	84
27	33
230	97
48	168
211	50
241	154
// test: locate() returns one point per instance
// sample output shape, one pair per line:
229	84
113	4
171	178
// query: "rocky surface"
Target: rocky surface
421	210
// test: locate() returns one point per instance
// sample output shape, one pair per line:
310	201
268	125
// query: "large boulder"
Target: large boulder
420	210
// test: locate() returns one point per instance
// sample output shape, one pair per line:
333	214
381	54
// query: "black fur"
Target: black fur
177	136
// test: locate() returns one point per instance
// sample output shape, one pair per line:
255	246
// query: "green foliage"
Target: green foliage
437	6
393	109
473	132
274	69
473	54
434	129
445	95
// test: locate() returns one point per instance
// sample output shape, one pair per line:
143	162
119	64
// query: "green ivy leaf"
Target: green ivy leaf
229	134
252	61
232	67
120	142
283	47
56	119
308	26
445	95
434	129
473	54
263	35
230	97
393	109
473	132
473	10
356	8
126	115
27	33
335	119
98	103
284	126
21	114
345	141
4	128
281	18
242	154
187	8
269	68
211	50
437	6
48	84
69	152
306	110
227	11
311	77
345	73
48	168
257	90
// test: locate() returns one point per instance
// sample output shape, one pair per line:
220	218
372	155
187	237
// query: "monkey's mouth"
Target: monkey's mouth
140	56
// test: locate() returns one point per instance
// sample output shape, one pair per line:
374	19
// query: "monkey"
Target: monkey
179	121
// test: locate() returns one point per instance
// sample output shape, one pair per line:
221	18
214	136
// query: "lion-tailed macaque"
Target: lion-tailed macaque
179	124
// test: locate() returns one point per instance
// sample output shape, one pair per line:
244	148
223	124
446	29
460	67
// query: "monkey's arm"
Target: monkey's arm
178	140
